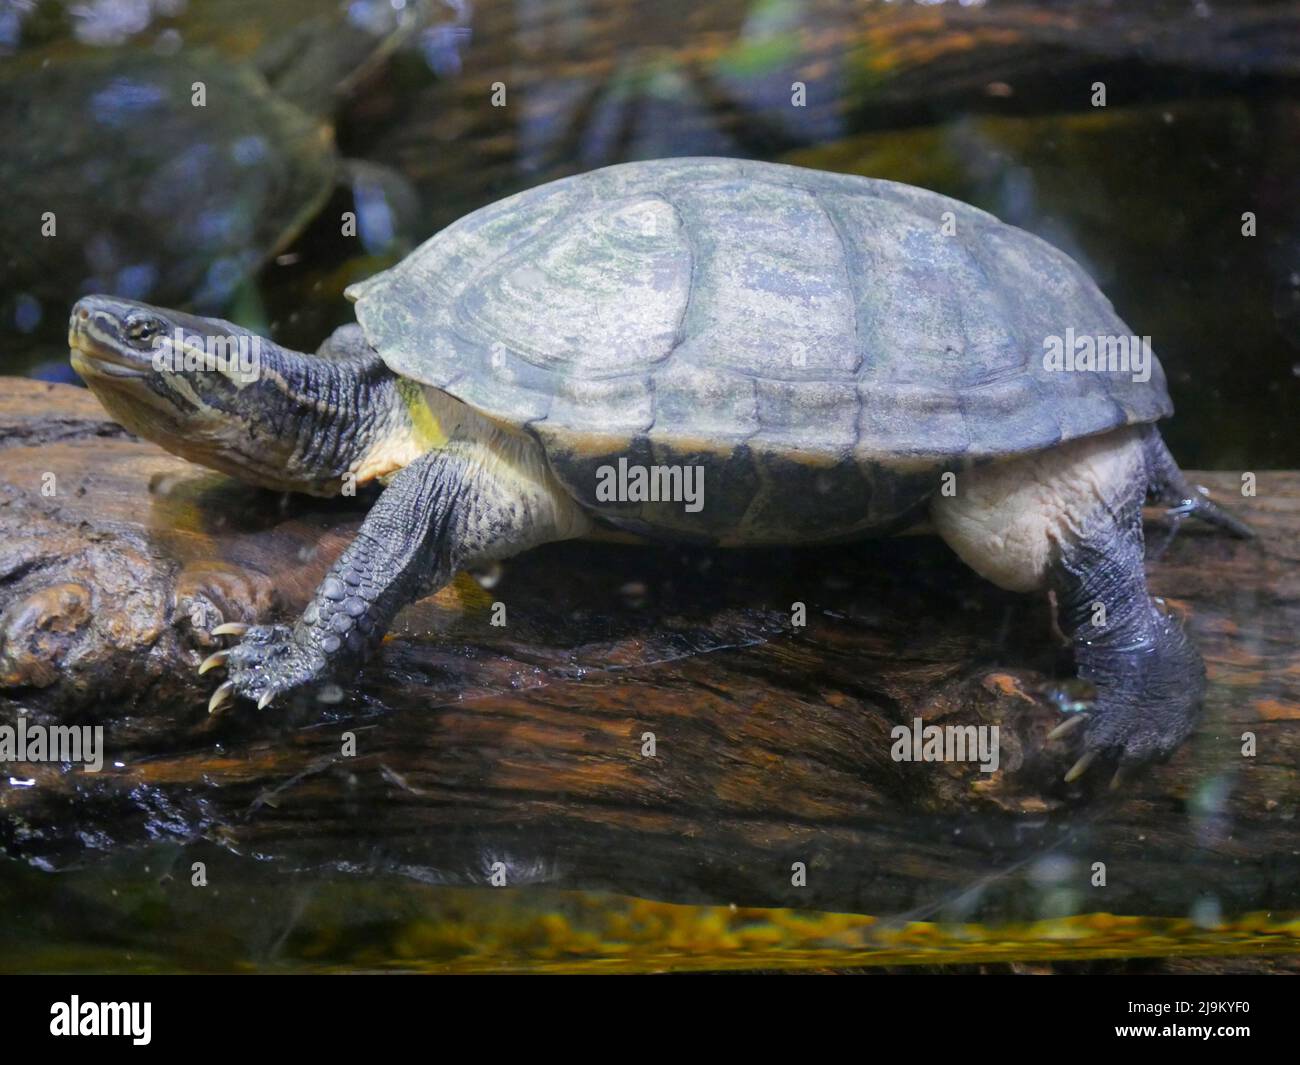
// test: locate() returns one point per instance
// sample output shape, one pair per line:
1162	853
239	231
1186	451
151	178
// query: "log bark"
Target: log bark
526	743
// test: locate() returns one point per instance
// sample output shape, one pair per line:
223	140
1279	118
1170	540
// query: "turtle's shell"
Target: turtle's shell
772	316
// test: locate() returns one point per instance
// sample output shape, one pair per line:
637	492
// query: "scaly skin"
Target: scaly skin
1149	678
475	499
464	490
1070	520
406	546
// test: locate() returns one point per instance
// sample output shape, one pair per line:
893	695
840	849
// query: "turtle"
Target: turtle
706	350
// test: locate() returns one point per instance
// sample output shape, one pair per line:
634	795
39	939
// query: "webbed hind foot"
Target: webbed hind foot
1070	519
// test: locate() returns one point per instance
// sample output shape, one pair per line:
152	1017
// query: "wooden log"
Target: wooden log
525	744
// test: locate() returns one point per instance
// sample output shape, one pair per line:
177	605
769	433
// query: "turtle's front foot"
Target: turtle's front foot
268	660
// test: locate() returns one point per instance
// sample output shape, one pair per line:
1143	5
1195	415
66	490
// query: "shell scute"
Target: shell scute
817	318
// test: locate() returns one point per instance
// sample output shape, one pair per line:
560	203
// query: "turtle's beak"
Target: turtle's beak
179	381
121	374
98	344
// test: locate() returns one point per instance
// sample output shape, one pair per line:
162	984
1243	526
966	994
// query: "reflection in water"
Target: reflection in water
148	919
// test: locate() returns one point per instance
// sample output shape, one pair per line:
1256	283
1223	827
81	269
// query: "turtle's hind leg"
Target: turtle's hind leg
484	495
1070	519
1148	676
1168	485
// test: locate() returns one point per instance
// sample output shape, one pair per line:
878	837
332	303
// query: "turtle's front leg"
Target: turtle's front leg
470	501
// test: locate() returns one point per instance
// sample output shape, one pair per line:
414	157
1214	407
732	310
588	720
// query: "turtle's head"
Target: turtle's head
224	397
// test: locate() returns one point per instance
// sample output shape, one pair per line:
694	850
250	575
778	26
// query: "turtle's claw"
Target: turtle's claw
1064	728
221	696
267	662
1080	767
212	661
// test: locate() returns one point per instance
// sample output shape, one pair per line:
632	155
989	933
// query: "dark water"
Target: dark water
318	109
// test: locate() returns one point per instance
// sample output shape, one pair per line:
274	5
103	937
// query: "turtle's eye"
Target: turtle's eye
142	331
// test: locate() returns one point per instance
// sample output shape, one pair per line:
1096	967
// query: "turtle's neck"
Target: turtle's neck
348	417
